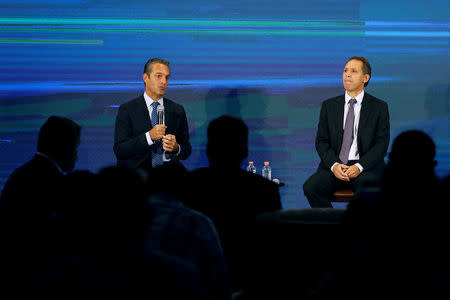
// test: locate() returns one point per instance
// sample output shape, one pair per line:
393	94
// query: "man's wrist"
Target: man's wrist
149	139
332	167
359	167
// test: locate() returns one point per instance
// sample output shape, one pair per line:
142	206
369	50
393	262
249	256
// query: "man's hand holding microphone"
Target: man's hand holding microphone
158	132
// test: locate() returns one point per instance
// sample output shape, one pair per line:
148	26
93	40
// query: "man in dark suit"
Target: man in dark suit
352	138
230	196
140	141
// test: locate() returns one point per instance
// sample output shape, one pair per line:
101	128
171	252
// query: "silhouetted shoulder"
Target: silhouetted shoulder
234	190
26	182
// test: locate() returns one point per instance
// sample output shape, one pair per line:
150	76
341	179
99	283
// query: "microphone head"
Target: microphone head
160	112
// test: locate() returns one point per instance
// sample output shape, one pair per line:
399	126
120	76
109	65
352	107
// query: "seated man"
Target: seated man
352	138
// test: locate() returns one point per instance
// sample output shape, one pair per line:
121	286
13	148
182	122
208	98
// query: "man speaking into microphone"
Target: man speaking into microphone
151	129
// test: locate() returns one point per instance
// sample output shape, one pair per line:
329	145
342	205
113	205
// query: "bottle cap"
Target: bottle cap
266	163
250	162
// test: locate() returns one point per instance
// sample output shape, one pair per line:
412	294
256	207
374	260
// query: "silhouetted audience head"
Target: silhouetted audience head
227	143
411	159
409	177
410	147
59	138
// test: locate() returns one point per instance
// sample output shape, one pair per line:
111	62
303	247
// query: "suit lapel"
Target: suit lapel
168	108
142	113
364	113
339	121
363	118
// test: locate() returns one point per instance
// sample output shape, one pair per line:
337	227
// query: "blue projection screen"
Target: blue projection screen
272	63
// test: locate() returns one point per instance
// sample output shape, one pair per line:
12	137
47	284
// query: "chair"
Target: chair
343	195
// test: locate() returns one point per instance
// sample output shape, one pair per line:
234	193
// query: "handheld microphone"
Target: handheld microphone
160	111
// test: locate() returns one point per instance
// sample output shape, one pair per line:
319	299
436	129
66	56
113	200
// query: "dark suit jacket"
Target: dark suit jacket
133	121
373	132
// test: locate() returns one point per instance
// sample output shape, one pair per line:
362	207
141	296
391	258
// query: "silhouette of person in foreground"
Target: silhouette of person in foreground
228	195
181	231
113	256
401	254
29	200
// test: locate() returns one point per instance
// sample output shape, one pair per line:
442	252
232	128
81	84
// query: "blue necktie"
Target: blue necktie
157	150
347	140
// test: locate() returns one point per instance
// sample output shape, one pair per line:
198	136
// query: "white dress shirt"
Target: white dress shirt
148	102
353	154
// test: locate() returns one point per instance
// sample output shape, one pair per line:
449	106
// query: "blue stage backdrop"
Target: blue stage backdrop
271	63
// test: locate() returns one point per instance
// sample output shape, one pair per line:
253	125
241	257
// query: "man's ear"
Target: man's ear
366	78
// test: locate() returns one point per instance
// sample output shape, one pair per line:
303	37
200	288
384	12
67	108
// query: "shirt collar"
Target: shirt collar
149	100
50	159
359	97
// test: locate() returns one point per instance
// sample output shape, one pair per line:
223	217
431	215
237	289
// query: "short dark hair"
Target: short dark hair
59	138
367	69
56	133
152	61
411	144
223	132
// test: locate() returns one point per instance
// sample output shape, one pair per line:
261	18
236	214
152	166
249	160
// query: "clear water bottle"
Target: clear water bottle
251	167
267	171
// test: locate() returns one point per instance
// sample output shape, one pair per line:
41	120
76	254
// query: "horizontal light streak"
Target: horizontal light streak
224	27
49	41
369	33
172	22
211	23
405	24
287	82
194	31
394	33
411	50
